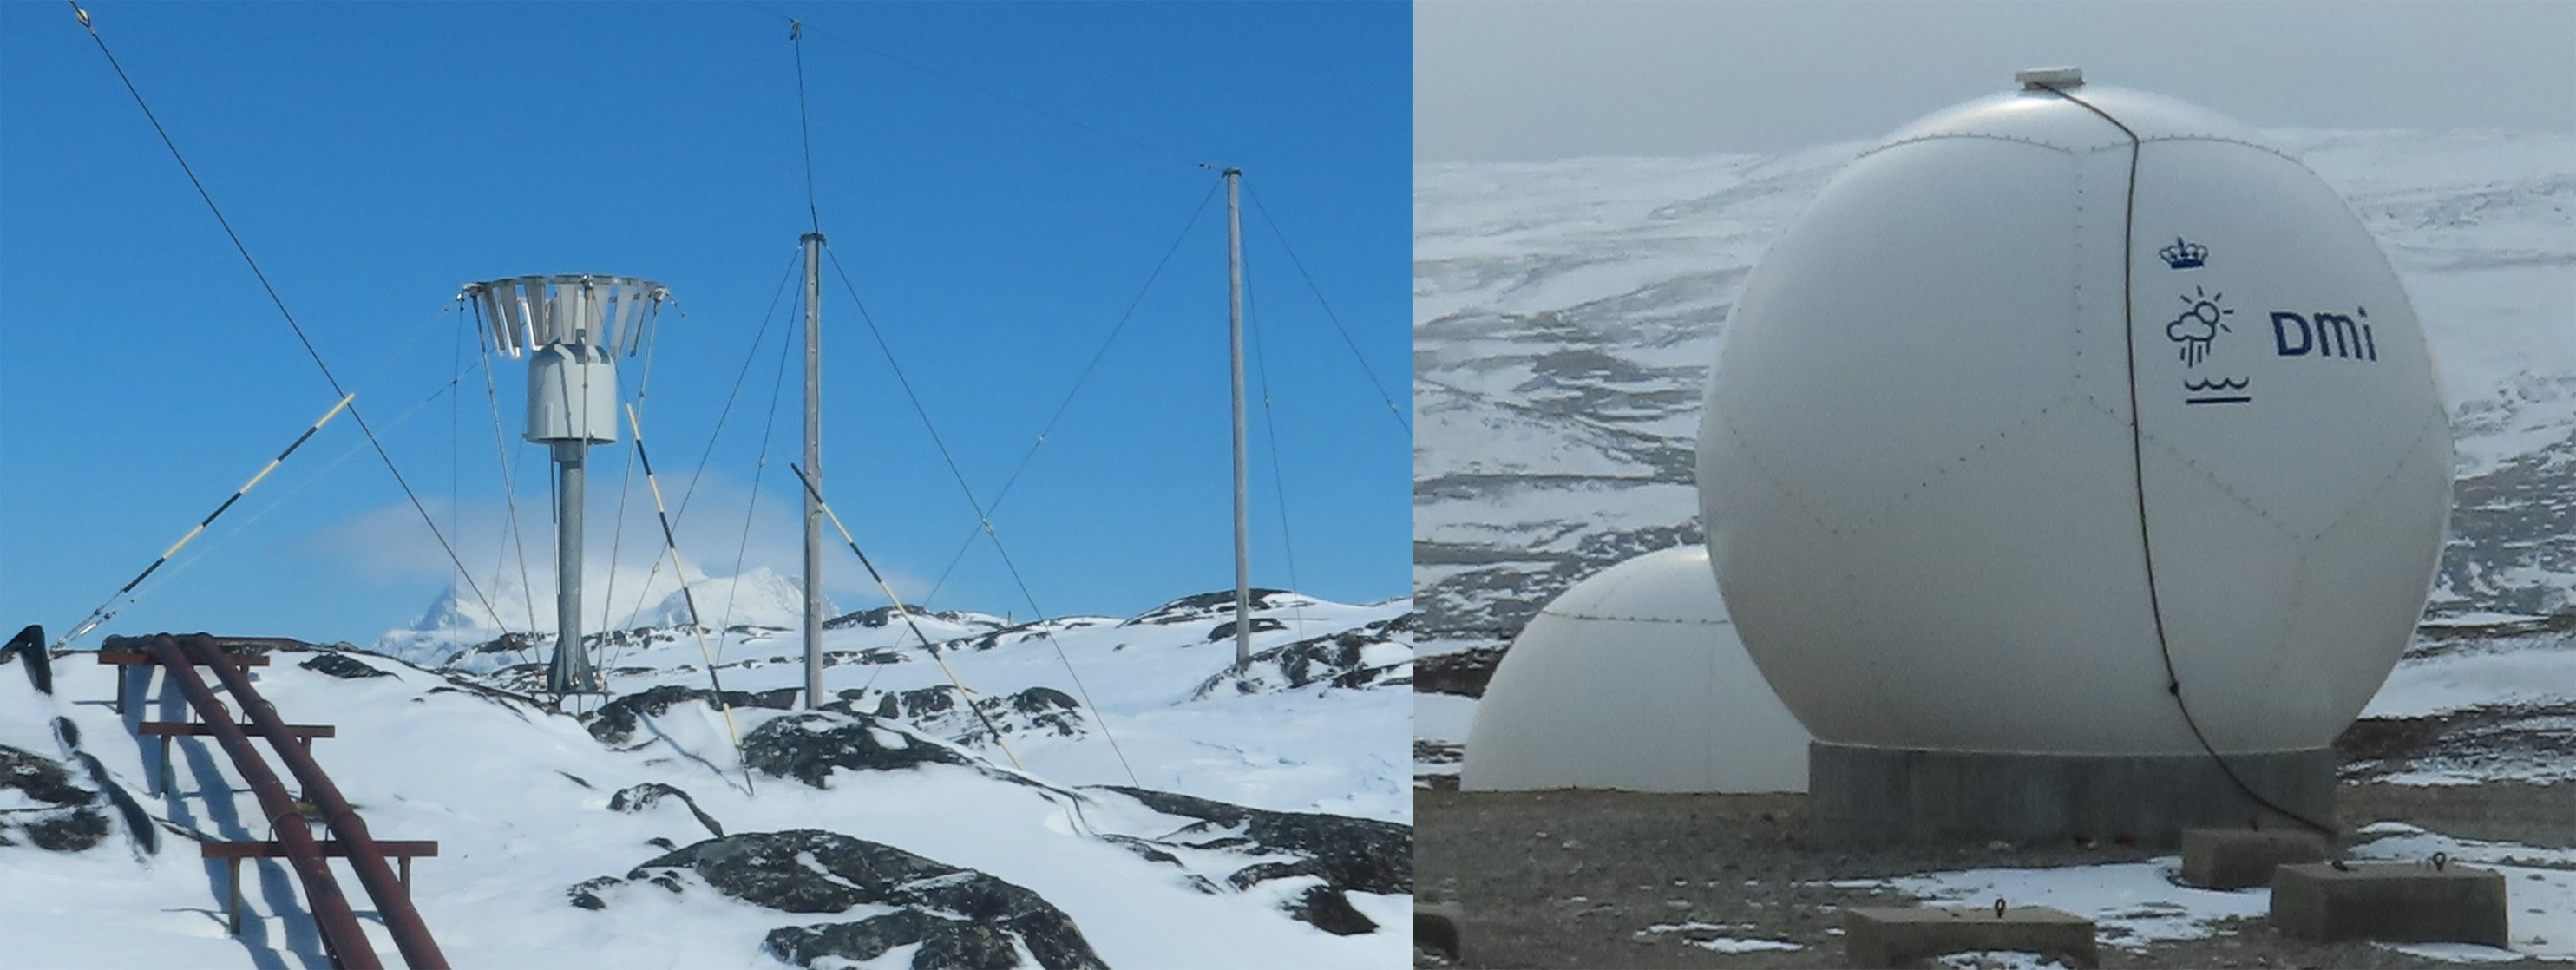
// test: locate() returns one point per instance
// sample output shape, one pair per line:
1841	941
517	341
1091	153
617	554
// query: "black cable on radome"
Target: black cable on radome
805	131
1391	407
1079	381
2138	464
273	297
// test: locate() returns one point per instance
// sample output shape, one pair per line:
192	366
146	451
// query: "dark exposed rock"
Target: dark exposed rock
341	665
1463	672
1329	911
871	655
936	711
637	798
68	820
960	917
585	893
39	778
883	615
944	942
1350	854
1225	630
617	720
1206	606
1338	660
71	830
808	747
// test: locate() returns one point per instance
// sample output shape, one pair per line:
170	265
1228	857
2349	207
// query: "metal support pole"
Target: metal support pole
570	672
1242	531
813	467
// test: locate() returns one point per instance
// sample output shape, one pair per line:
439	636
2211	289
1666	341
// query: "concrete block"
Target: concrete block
1877	937
1435	929
1865	795
2408	902
2243	858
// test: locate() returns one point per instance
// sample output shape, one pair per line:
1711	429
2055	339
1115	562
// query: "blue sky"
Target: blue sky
998	215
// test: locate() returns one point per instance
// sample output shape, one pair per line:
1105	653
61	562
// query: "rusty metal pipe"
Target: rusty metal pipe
338	923
392	897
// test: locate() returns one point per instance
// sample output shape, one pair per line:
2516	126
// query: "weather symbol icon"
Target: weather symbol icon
2197	326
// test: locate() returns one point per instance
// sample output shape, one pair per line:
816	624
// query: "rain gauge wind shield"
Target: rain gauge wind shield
573	328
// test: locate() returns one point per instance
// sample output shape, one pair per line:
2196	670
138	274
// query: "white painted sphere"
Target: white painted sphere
1962	494
1634	680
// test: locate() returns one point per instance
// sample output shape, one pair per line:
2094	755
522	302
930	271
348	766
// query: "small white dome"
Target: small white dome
1634	680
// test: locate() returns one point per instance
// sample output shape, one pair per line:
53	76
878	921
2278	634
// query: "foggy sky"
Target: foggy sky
1529	81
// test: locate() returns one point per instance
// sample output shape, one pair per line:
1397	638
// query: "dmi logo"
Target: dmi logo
2325	335
2196	330
2199	326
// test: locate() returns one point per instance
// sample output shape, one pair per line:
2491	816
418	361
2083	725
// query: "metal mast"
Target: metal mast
813	467
1242	532
570	672
572	328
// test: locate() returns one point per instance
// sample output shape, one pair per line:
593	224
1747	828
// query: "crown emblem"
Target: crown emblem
2184	255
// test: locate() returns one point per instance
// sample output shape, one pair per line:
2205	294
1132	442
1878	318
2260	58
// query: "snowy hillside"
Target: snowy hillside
1265	821
1566	315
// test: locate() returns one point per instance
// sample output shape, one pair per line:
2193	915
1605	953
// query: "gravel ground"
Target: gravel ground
1571	878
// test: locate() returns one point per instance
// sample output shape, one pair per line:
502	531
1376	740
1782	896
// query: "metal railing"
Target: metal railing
341	933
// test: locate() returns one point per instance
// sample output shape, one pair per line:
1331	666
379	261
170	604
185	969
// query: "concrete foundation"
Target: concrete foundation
1435	930
2244	858
2406	902
1879	937
1876	796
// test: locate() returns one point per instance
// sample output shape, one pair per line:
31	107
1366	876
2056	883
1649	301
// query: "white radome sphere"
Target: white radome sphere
1930	513
1633	679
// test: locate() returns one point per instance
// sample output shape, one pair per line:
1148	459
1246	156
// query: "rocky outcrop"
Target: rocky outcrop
959	917
1376	655
65	817
341	665
640	797
1348	854
616	721
1260	624
938	711
1210	606
809	747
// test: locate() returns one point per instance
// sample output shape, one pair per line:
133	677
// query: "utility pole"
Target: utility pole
813	467
1242	531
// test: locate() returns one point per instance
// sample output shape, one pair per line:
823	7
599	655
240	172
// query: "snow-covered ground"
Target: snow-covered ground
519	797
2138	903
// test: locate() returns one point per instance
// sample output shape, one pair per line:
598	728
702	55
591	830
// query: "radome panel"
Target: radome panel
1931	378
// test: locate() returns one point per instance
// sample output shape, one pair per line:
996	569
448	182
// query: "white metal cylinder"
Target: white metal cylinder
572	394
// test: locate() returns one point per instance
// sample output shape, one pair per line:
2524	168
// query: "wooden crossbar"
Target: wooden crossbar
127	660
165	730
135	658
192	729
233	853
333	848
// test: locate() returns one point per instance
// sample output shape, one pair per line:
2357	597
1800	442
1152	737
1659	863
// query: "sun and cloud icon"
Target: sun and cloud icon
2199	325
